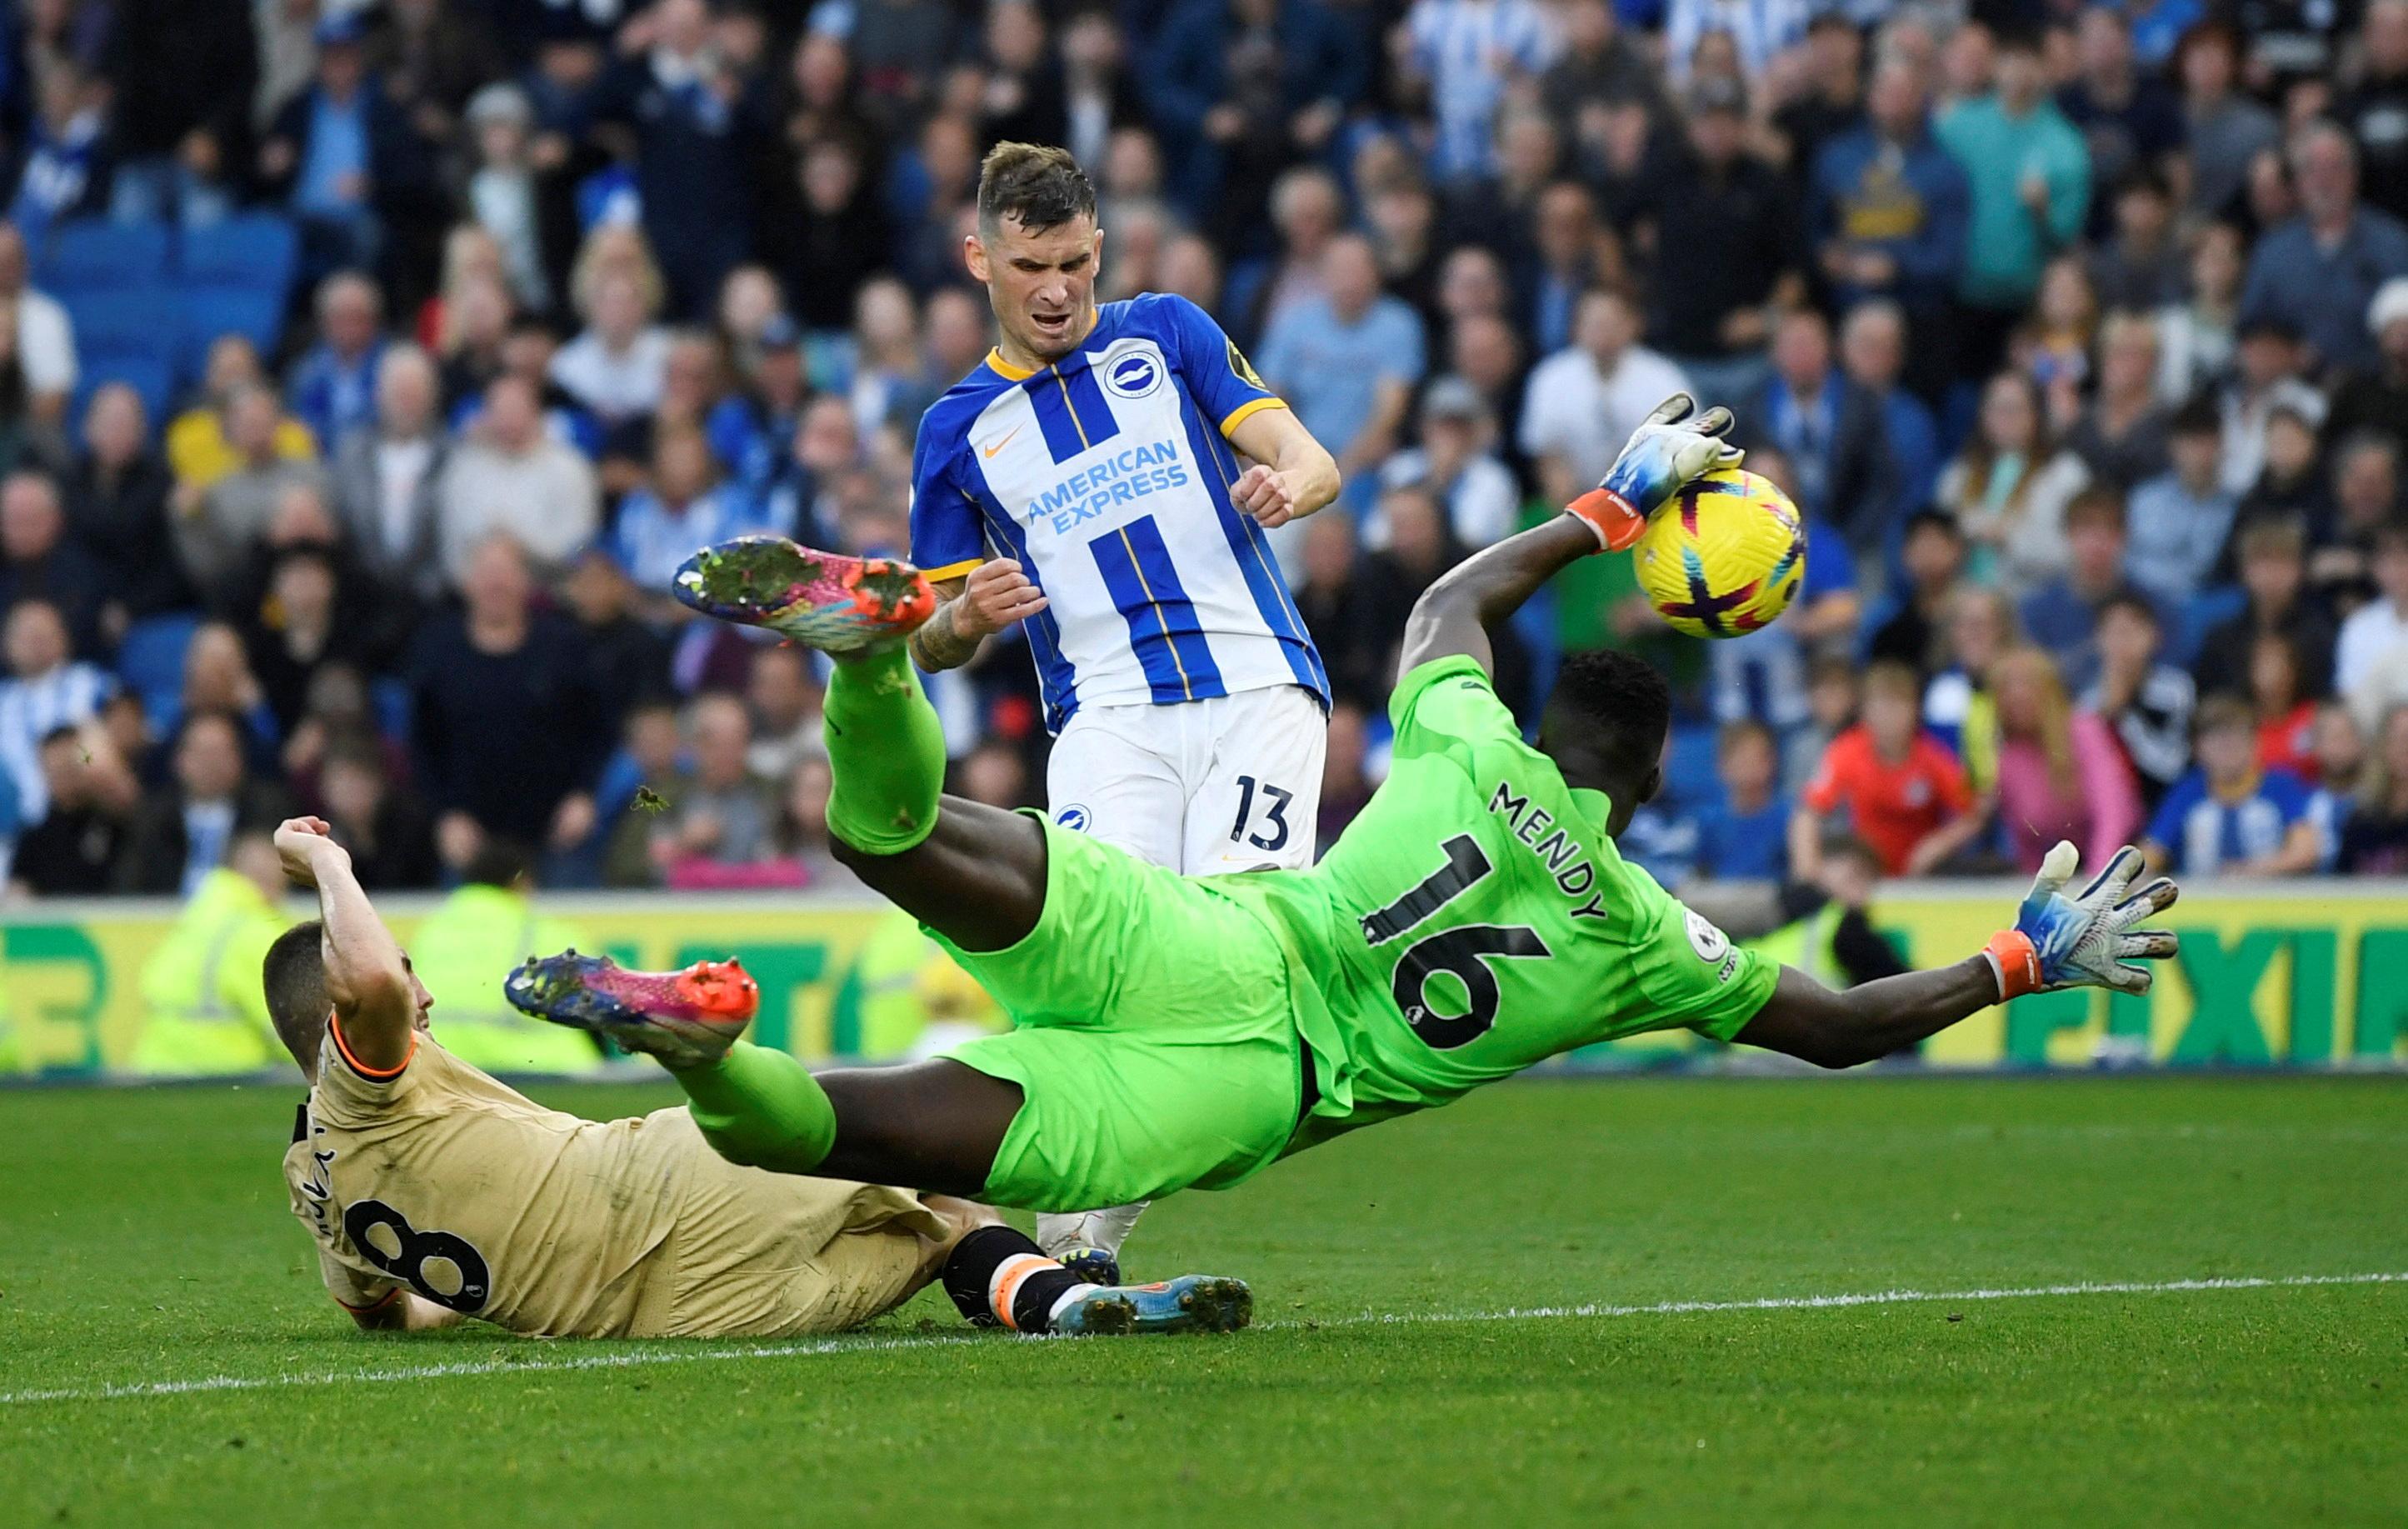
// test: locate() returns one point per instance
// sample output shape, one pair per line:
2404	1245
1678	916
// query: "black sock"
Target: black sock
999	1278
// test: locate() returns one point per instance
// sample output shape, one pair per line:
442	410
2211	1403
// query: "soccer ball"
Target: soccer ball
1725	556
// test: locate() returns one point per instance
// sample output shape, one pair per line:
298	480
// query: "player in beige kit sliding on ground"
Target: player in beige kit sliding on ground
435	1191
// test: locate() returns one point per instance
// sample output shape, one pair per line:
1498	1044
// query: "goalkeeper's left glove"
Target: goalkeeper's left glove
1668	449
2086	940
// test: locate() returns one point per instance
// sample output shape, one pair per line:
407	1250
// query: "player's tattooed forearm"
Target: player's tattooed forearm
938	643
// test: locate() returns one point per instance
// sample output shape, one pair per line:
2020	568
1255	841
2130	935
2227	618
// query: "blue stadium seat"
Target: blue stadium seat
153	377
258	315
150	662
257	251
1689	778
97	255
389	702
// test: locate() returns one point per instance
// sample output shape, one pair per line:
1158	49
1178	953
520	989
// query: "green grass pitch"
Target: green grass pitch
147	1244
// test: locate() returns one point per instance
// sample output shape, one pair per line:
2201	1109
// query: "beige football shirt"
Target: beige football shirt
439	1179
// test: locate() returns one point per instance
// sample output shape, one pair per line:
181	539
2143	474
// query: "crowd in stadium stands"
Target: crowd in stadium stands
365	368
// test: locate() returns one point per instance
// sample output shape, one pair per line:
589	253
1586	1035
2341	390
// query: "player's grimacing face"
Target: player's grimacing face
1041	285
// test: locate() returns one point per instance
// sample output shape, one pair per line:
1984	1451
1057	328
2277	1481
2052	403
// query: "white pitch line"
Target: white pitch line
647	1357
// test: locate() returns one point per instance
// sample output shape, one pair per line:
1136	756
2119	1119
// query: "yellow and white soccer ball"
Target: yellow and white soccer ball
1725	557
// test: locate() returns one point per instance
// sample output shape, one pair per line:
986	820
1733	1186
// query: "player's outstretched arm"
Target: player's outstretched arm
2084	940
366	978
1294	474
1675	445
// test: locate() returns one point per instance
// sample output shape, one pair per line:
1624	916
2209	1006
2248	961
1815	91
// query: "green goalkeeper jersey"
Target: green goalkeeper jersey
1476	919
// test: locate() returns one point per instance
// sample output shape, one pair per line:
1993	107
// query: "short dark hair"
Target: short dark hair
1934	518
294	976
2197	416
498	863
1040	187
1623	698
2098	503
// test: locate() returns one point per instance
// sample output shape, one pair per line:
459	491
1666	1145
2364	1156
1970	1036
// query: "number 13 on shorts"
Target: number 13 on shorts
1207	788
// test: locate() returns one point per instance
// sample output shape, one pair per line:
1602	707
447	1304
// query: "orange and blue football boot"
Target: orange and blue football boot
685	1017
1192	1303
824	600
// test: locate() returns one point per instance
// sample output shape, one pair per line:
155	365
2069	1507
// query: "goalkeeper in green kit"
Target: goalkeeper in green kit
1174	1031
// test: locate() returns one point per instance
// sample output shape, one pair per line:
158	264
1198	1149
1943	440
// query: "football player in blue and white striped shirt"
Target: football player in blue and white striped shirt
1084	478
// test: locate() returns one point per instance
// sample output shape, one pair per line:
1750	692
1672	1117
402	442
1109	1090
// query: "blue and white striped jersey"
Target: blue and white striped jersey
1106	476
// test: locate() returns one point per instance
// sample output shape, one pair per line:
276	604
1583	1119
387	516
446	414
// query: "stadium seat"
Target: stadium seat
1689	778
126	334
96	255
258	315
153	378
150	663
257	251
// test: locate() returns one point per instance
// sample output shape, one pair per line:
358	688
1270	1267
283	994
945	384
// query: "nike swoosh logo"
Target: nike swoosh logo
991	450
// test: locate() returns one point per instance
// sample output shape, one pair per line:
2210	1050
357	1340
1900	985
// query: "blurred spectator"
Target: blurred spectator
2061	774
38	562
1729	224
388	475
1757	32
1240	90
2376	397
615	366
2130	121
2179	520
333	388
1746	834
2054	345
2196	336
1829	932
299	628
2370	661
827	233
1888	206
386	829
65	172
342	156
507	193
717	816
2341	759
1345	778
1570	253
2226	817
1598	68
697	132
2121	436
1343	613
44	355
1956	705
784	697
217	677
1473	54
1455	461
200	445
511	477
2375	109
2010	485
1873	354
2061	614
1831	99
117	511
72	851
628	660
1905	627
2319	272
1830	432
47	689
182	79
2225	128
992	774
1832	696
2028	172
1347	361
2273	558
2286	713
683	511
205	1010
214	537
2141	269
505	720
2365	497
1584	402
1900	789
182	833
2148	702
2374	840
802	836
2288	482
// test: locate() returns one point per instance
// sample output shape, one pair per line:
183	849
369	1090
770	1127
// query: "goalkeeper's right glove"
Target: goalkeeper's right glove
2084	940
1668	450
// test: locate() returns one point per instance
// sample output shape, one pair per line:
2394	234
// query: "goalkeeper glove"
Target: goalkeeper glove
2084	940
1668	450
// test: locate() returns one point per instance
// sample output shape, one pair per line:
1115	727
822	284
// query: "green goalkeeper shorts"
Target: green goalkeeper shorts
1155	1043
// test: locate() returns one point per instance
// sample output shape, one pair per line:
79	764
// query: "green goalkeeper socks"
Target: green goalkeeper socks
886	750
761	1108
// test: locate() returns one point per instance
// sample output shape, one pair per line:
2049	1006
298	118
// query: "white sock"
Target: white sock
1057	1233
